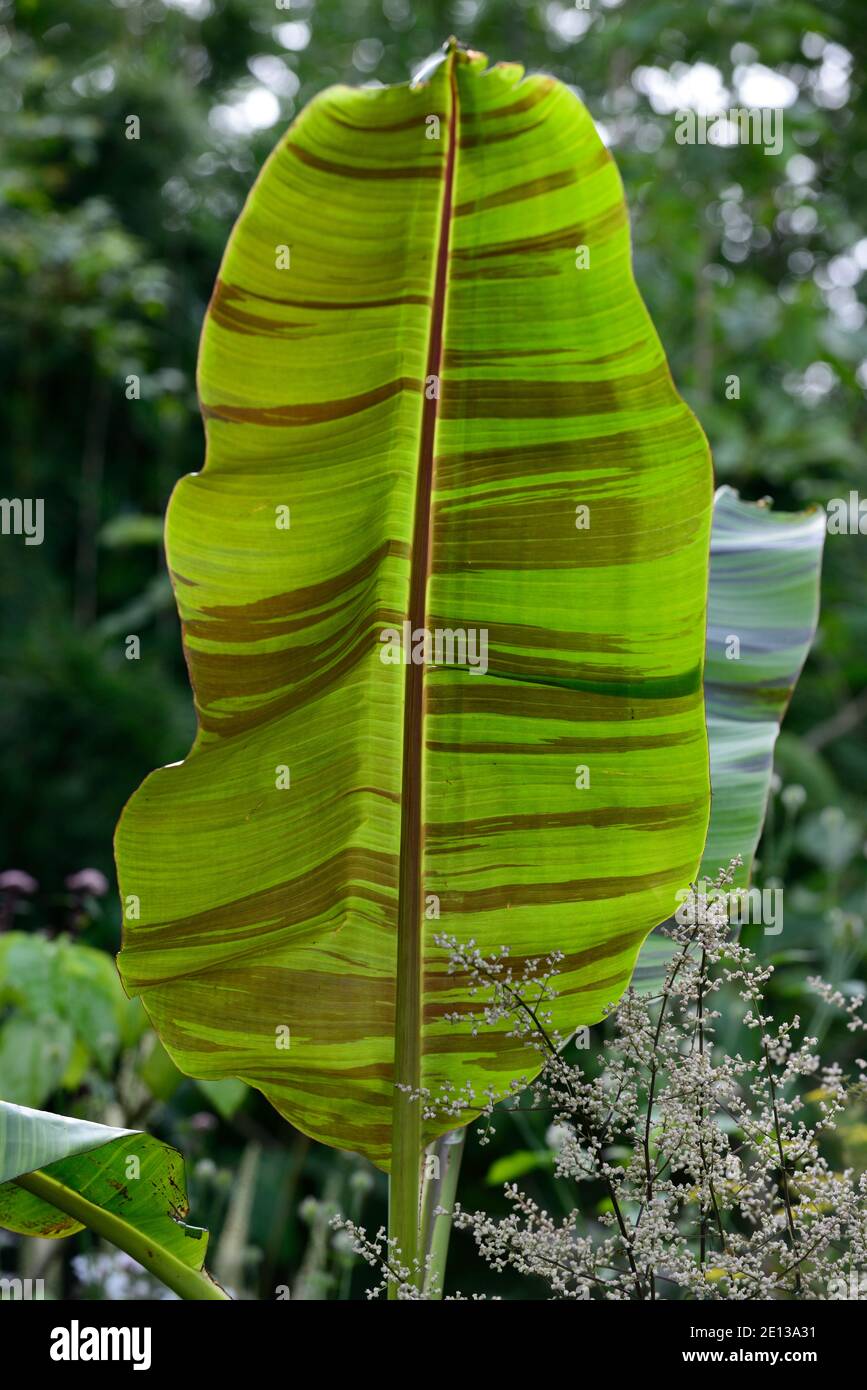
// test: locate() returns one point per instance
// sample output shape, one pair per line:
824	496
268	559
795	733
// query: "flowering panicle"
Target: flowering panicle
695	1172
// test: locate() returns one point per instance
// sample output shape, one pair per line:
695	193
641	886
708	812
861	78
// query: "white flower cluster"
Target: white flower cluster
695	1174
712	1183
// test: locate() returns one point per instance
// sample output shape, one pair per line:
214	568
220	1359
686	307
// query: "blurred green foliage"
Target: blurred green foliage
752	265
63	1015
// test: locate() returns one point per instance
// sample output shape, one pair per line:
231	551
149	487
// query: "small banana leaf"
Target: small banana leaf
432	396
59	1174
763	609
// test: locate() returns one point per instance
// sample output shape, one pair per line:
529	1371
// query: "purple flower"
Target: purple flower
17	881
91	881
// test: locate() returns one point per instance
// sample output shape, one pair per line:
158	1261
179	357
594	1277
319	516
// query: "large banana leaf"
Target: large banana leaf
59	1174
400	237
763	609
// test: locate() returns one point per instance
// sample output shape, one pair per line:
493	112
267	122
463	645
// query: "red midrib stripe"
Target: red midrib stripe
407	1052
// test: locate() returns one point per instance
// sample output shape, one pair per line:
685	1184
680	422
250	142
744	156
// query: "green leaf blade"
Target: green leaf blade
763	611
765	578
58	1174
270	914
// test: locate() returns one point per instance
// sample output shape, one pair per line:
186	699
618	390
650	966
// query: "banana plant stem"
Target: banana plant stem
180	1278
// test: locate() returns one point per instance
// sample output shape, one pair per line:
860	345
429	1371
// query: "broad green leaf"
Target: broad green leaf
32	1139
58	1174
414	381
34	1055
62	1010
762	615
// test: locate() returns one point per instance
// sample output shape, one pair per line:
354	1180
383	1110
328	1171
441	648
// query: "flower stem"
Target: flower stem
439	1190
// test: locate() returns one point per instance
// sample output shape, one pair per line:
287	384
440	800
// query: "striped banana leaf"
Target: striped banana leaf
59	1174
763	609
425	404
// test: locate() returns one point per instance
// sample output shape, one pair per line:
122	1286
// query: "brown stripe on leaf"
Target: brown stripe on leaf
263	916
574	747
504	700
429	170
572	961
526	637
310	413
519	192
225	309
457	836
228	722
541	88
537	532
472	142
416	122
591	233
492	1051
462	359
622	452
545	400
501	897
227	292
255	995
280	614
456	1040
232	675
350	1005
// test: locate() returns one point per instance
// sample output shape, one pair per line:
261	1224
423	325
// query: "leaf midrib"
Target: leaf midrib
185	1280
406	1129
